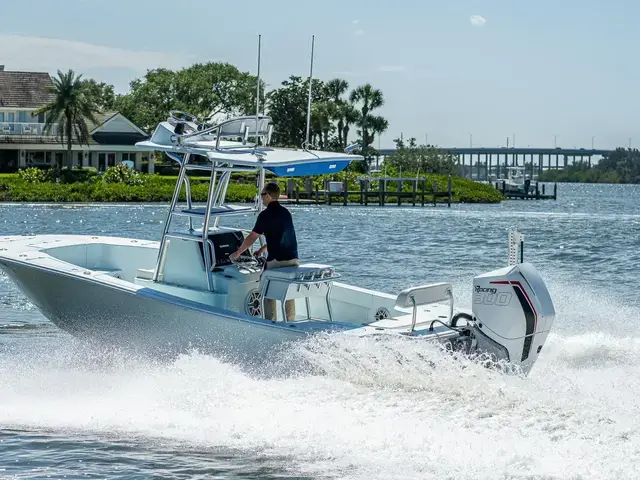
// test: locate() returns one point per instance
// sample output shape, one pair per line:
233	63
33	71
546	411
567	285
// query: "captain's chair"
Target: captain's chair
304	281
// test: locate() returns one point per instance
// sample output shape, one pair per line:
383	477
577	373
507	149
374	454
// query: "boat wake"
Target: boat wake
378	410
352	408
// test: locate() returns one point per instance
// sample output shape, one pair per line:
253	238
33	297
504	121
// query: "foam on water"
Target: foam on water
391	409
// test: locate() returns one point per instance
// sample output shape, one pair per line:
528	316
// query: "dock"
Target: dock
536	193
337	193
421	193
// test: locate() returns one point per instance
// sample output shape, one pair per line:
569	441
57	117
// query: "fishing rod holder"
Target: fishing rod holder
516	246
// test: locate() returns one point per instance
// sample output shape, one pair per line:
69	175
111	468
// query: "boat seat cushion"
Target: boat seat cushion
292	273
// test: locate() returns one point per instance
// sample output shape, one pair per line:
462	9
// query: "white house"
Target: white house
23	142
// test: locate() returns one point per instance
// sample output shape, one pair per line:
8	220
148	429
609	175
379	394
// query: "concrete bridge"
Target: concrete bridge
481	162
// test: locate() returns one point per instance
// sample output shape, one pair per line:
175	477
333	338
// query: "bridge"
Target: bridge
533	160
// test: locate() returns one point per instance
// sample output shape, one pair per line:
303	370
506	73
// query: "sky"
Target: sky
454	73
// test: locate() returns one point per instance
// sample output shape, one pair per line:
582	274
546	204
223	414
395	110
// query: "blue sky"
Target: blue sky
448	69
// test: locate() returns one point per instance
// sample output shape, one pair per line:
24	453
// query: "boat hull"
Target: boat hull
144	319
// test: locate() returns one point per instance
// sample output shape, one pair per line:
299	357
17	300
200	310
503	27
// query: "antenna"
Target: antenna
306	142
258	92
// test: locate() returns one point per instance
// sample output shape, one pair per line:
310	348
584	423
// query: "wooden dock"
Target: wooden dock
420	194
536	193
339	194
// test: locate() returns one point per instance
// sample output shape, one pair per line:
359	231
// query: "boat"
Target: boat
182	291
516	181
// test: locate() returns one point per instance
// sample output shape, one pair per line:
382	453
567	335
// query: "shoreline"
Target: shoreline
157	189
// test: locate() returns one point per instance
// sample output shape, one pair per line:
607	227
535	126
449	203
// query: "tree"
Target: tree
369	99
335	89
71	107
620	166
201	90
412	157
287	106
101	93
351	116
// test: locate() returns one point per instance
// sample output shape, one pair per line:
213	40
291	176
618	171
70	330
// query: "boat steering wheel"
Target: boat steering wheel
246	262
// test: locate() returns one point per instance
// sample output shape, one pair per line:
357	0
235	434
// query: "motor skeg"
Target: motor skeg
513	314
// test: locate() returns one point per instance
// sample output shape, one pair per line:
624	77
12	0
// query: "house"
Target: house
24	143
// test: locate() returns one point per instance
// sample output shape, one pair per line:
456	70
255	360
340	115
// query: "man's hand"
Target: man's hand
260	251
234	256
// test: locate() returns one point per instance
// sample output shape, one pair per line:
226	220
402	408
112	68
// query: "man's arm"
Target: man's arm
250	240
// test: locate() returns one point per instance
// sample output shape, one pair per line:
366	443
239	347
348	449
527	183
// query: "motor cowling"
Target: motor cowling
513	313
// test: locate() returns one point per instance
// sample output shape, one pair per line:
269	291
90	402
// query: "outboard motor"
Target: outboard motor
513	312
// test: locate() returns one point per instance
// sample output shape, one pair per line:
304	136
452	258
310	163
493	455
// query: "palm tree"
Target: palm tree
370	98
378	126
321	116
71	107
351	116
335	89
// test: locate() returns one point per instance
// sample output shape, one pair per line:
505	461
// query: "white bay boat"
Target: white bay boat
183	291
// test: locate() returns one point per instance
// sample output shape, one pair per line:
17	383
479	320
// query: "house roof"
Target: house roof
25	89
101	118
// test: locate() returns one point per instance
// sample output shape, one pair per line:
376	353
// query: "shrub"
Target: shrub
32	175
122	174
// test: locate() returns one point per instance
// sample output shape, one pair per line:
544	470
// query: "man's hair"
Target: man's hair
273	189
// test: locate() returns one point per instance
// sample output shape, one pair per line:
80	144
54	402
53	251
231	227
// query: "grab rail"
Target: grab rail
425	295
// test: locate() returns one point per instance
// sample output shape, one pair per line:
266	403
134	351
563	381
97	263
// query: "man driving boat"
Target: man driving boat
276	224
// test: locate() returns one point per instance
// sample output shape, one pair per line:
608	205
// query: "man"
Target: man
276	224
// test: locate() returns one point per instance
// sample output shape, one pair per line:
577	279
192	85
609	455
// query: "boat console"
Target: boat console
243	285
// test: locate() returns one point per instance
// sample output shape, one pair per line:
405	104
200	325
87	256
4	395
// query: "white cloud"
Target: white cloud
355	22
392	68
477	20
49	54
359	32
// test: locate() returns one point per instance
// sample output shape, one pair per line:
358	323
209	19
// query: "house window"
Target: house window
22	117
129	156
1	116
12	117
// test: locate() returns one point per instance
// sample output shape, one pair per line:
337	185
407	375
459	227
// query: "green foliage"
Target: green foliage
150	188
622	166
208	89
122	174
332	115
428	159
85	174
201	89
32	175
287	106
367	99
156	188
101	94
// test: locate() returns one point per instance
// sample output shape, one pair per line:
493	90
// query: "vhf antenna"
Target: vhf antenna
306	143
258	94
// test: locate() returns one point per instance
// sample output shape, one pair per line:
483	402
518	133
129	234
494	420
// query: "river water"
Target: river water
70	412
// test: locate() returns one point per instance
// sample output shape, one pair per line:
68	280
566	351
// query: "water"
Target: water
380	412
